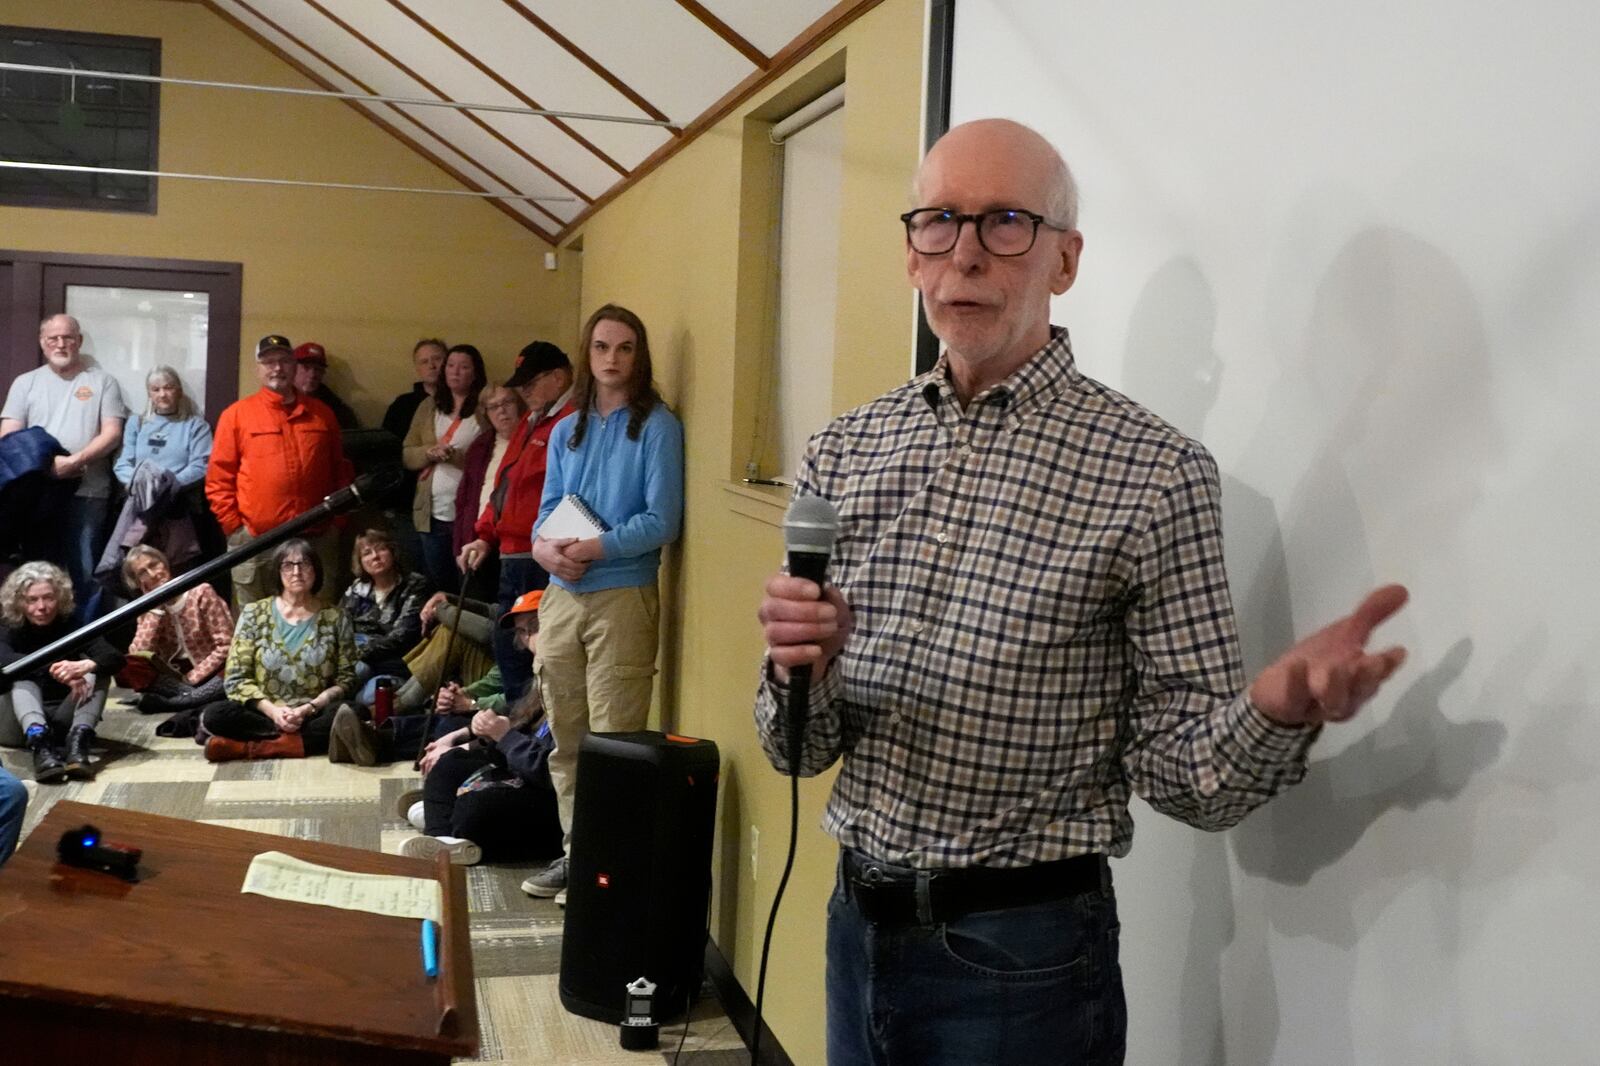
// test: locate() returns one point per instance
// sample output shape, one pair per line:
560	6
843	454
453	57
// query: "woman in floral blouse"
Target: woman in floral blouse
178	650
292	662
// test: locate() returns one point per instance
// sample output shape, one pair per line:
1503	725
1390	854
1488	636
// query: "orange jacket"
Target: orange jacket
270	462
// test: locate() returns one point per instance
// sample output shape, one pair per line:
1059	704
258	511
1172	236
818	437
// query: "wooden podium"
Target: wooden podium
182	968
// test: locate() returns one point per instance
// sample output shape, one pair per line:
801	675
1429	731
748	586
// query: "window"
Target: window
78	120
800	257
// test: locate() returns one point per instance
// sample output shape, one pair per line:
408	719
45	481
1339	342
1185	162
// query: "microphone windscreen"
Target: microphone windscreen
811	525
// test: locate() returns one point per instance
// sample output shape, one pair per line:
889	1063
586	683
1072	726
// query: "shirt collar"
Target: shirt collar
1047	374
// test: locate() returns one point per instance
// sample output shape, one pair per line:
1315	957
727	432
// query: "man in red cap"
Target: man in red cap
310	370
275	455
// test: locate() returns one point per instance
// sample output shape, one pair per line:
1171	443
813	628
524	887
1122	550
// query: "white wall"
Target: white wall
1355	248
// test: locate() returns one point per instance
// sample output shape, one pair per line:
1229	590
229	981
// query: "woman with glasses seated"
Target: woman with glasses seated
292	662
384	604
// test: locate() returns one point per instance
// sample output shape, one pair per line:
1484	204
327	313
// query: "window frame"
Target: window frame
152	45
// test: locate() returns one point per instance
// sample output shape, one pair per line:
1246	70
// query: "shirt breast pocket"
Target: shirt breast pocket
265	444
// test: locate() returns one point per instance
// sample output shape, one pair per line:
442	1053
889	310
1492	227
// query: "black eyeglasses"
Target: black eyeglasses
1007	231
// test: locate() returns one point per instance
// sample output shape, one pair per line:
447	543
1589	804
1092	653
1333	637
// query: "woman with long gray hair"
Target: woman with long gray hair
170	433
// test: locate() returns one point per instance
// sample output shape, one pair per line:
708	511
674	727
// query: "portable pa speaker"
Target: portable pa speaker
639	876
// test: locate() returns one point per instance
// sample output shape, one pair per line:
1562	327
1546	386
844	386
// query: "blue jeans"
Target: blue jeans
518	574
84	541
13	805
1024	985
438	557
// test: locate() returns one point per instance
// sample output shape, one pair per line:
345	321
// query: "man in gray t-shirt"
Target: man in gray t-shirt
81	407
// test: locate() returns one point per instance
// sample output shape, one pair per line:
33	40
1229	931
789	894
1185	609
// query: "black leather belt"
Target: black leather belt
899	895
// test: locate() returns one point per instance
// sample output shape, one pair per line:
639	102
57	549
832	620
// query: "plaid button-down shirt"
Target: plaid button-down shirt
1041	622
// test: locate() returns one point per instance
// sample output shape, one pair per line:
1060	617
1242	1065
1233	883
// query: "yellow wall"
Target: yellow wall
670	249
364	273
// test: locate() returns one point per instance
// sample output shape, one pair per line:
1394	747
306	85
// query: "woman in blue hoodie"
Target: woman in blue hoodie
620	459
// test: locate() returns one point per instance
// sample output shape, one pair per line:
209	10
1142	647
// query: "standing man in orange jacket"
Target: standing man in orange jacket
276	454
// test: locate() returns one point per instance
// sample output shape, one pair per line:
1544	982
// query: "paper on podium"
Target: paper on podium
280	876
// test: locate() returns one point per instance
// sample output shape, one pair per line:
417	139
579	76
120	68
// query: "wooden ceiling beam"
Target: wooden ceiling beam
500	80
367	112
378	50
818	33
593	64
755	55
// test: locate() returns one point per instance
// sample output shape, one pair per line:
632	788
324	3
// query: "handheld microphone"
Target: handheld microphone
810	529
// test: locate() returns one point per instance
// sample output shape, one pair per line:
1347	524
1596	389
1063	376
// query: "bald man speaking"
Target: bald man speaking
1028	617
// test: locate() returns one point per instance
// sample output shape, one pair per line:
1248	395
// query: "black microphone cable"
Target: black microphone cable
809	530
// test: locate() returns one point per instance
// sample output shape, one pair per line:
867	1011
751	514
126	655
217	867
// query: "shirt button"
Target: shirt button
941	536
916	627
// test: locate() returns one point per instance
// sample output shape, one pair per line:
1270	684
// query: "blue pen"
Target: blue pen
430	948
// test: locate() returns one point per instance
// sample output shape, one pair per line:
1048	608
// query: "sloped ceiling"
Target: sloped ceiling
673	66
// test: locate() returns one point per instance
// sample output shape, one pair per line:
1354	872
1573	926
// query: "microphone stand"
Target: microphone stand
367	488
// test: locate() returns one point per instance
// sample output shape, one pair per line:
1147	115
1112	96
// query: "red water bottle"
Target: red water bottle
382	700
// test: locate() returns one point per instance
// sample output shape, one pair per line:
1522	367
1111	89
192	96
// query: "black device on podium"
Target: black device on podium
639	877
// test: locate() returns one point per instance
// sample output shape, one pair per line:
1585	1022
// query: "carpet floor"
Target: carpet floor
516	940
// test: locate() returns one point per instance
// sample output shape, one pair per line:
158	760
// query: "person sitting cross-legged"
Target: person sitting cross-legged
35	611
492	798
356	739
291	662
175	660
384	603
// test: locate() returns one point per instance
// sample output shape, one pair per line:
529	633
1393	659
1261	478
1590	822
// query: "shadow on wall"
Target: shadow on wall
1388	404
1172	368
1392	391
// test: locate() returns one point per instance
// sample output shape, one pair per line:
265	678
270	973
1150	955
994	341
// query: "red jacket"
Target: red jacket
270	462
522	474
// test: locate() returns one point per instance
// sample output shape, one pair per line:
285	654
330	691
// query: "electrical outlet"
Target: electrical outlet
755	850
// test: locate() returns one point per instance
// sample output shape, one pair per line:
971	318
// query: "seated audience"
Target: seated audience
356	739
385	608
178	650
13	806
491	799
291	662
436	445
470	659
35	611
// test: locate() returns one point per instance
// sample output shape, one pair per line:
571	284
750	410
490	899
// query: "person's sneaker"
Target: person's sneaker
462	852
417	815
357	740
408	799
561	898
551	881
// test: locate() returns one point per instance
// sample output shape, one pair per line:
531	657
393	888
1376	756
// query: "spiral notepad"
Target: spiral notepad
572	518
